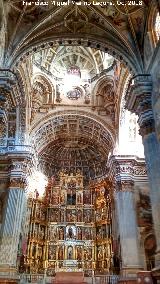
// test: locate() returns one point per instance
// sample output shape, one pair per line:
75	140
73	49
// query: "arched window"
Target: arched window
157	26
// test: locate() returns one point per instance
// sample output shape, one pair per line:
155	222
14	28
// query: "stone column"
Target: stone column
139	101
128	230
127	220
11	225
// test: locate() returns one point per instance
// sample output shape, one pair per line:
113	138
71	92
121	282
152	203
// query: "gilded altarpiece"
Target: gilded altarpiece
70	227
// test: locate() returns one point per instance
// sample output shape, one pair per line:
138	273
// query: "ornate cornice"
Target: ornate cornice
124	170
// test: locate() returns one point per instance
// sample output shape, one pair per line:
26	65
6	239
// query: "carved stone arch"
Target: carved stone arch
106	83
86	40
42	94
72	111
47	88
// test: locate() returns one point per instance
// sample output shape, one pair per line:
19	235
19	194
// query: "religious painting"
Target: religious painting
71	215
79	252
150	244
71	196
51	252
87	233
144	210
54	215
87	215
87	197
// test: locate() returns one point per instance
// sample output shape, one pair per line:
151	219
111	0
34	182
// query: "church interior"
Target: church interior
80	142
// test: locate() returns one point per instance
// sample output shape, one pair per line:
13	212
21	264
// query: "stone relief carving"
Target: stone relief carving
41	95
105	99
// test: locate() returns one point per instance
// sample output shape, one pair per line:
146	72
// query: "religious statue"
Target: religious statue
70	234
52	233
87	216
87	93
79	198
100	255
42	233
79	253
85	254
38	212
62	216
62	198
87	197
79	215
43	214
70	252
87	233
61	233
58	93
79	233
61	253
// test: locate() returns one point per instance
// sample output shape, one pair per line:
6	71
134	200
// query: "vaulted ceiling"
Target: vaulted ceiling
58	59
114	27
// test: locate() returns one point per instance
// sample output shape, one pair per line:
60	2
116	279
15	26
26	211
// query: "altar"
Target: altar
70	228
69	277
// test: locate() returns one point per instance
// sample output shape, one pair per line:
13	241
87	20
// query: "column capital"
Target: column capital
125	185
124	177
19	171
139	101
